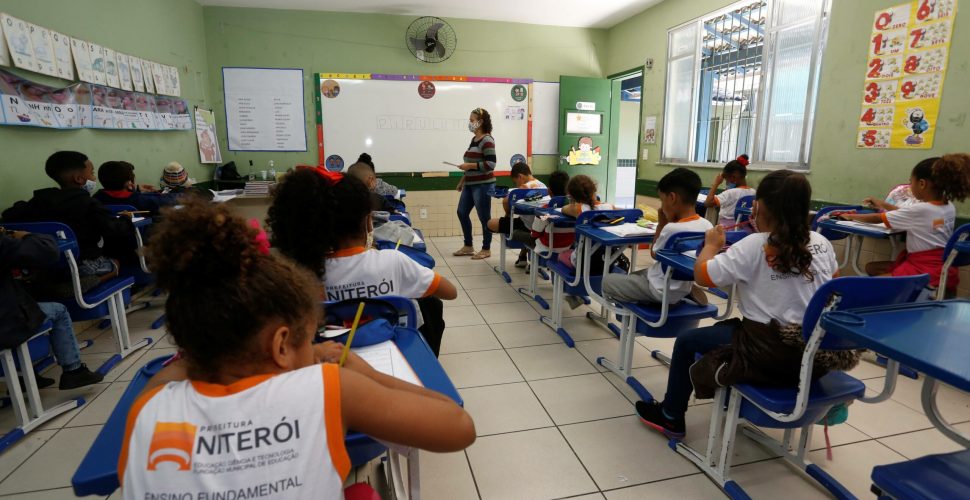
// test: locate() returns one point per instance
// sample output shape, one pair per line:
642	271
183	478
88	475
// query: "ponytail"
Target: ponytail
950	175
785	196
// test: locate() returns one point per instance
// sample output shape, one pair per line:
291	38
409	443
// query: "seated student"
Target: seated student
935	182
103	238
365	174
382	188
323	221
118	188
777	271
21	315
734	173
678	192
558	181
522	178
250	381
582	193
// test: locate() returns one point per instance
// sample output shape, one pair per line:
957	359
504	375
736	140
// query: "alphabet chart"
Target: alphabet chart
908	54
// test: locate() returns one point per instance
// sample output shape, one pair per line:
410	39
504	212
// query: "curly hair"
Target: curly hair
785	196
222	290
582	189
309	217
950	175
485	118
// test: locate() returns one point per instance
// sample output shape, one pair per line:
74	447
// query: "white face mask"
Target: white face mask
90	186
370	240
473	126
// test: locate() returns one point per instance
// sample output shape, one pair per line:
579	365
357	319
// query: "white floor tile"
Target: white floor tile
852	464
581	398
473	369
483	296
462	316
504	408
475	268
954	405
446	476
872	418
487	281
51	397
548	361
22	450
525	333
132	368
931	441
507	313
53	465
54	494
695	487
468	339
536	464
776	478
698	421
580	328
97	411
461	300
609	349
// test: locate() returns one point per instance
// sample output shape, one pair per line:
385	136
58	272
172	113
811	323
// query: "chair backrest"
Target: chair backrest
694	240
744	203
62	233
629	215
416	255
396	310
961	235
525	193
859	291
558	201
826	210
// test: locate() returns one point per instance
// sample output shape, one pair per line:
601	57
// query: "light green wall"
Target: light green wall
374	43
169	32
839	171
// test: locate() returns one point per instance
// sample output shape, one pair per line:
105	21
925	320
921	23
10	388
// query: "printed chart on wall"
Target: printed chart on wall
907	64
205	131
264	109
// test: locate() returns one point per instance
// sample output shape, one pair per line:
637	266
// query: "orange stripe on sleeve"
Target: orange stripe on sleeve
433	287
836	274
717	202
704	278
333	419
885	220
133	412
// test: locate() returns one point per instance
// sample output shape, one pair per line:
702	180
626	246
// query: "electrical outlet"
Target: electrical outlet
423	213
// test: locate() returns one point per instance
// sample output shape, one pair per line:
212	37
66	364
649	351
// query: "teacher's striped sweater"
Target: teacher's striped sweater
482	153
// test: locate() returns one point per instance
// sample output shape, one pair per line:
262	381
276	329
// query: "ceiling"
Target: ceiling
576	13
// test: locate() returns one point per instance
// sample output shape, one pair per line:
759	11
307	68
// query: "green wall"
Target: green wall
333	42
839	171
169	32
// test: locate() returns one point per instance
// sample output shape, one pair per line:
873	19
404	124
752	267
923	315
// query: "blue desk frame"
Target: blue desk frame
853	249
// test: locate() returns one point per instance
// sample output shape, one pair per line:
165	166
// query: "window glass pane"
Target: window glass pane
793	11
683	40
677	113
791	76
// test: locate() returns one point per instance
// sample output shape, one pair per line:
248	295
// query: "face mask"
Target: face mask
370	240
731	185
473	126
90	186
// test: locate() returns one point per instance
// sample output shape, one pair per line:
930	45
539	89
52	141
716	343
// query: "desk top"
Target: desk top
858	228
930	337
683	265
609	239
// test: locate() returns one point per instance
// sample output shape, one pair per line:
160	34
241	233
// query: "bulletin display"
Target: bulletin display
906	69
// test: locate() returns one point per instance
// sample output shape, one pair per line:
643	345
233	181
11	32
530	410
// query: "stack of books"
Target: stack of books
257	188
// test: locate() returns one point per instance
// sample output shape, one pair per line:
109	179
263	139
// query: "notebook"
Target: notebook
387	358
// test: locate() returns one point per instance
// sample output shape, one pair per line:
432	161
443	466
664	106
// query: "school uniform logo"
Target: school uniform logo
172	442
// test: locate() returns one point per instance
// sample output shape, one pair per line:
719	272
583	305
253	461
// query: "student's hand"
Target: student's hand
357	364
126	213
718	179
328	352
148	188
468	166
714	237
17	235
874	202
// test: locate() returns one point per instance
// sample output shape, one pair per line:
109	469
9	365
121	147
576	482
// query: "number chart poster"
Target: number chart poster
908	54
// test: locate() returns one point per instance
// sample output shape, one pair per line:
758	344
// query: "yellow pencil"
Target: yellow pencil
353	330
398	245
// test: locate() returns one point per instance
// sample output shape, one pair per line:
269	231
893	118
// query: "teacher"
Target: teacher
479	167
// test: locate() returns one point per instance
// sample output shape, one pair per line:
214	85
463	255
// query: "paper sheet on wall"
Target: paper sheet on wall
62	55
906	68
40	38
205	131
98	55
17	35
4	55
111	68
650	130
264	109
81	52
387	358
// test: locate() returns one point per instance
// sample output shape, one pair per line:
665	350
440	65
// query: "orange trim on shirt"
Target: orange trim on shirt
220	390
938	203
133	412
705	278
346	252
885	220
333	419
717	202
836	274
433	287
688	219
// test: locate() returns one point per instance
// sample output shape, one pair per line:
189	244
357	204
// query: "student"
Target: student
382	188
365	174
935	182
119	188
103	238
522	178
323	221
21	316
582	193
250	383
558	181
777	271
678	192
734	174
174	178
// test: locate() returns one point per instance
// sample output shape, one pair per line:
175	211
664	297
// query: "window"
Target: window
743	80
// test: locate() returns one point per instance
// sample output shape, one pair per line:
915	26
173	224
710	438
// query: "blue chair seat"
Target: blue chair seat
934	476
834	388
100	293
104	290
681	316
39	348
568	274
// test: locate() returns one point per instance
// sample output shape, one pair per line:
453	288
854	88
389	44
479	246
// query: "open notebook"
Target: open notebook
387	358
881	228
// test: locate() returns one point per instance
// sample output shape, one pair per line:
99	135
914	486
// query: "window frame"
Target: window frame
772	27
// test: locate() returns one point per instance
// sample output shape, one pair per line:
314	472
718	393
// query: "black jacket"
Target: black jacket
19	315
86	216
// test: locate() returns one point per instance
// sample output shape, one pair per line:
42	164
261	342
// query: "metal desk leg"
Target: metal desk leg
532	292
622	367
928	397
855	259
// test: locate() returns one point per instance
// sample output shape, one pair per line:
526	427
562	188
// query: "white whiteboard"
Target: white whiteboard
404	132
545	118
264	109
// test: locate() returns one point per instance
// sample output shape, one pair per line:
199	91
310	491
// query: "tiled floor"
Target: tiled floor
551	422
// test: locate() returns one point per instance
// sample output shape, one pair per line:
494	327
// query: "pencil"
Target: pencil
353	330
398	245
138	212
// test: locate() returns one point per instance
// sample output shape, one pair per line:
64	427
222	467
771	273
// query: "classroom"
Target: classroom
694	249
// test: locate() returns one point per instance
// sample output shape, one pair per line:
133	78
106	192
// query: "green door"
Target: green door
584	129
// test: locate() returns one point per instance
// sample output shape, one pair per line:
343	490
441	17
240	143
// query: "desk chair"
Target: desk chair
505	241
955	253
106	299
416	255
800	407
24	359
142	275
538	260
742	209
933	477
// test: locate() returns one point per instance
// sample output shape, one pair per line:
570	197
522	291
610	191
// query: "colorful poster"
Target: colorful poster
163	106
111	68
183	120
82	95
205	131
124	71
82	60
103	115
32	104
137	80
159	77
147	118
62	55
146	72
17	34
40	38
906	69
98	56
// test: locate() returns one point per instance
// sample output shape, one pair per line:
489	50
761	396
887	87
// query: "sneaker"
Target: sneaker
521	262
698	295
574	301
79	377
42	382
652	415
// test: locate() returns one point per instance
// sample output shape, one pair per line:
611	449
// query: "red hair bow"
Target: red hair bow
331	177
261	240
743	160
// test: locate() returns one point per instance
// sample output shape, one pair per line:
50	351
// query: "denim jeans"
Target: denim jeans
61	337
475	196
699	340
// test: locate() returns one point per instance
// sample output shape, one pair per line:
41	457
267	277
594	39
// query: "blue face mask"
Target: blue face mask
731	185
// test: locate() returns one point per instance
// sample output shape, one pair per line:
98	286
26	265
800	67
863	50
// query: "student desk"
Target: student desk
528	209
98	472
931	337
856	234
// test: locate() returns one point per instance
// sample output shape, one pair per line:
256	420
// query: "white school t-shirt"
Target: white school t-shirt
655	275
764	293
728	200
266	436
928	225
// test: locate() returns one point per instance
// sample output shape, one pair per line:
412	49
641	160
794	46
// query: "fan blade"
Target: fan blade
418	44
433	30
439	49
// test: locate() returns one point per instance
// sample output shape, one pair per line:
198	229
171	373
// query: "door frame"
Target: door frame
614	144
